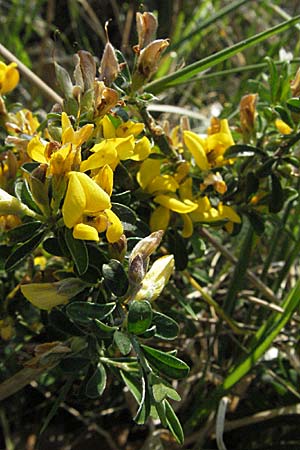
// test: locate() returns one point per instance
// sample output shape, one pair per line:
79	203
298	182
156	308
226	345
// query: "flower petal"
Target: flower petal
160	219
85	232
194	145
114	228
149	169
75	201
176	205
36	150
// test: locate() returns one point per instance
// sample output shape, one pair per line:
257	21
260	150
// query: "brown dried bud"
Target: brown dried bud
146	25
85	70
105	98
248	112
109	66
149	57
118	249
295	84
145	248
39	187
137	270
12	164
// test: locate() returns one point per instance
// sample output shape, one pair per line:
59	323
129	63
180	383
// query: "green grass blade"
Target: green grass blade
188	72
206	23
265	336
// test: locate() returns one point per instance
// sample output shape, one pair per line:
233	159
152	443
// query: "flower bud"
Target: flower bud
117	250
146	25
39	187
146	246
248	113
148	62
109	66
156	279
137	270
85	70
295	84
11	205
105	98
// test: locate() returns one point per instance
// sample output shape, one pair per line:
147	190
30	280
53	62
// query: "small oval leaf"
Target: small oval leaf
139	317
24	232
165	363
78	251
84	312
166	328
123	343
173	423
96	384
22	251
115	277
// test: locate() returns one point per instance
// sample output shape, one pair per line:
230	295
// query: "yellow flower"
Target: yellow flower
209	152
207	213
61	157
22	122
283	127
164	188
9	77
156	279
87	209
7	329
118	144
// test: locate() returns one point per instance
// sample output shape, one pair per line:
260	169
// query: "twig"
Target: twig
31	76
208	299
262	416
220	423
269	294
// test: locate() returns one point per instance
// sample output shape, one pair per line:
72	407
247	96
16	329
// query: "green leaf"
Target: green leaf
127	216
256	221
115	277
133	385
166	328
59	399
173	423
51	245
139	317
161	389
241	151
273	78
60	321
96	384
24	232
123	343
182	75
84	312
293	105
264	338
23	250
78	251
103	327
277	196
23	193
165	363
143	411
252	184
223	12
